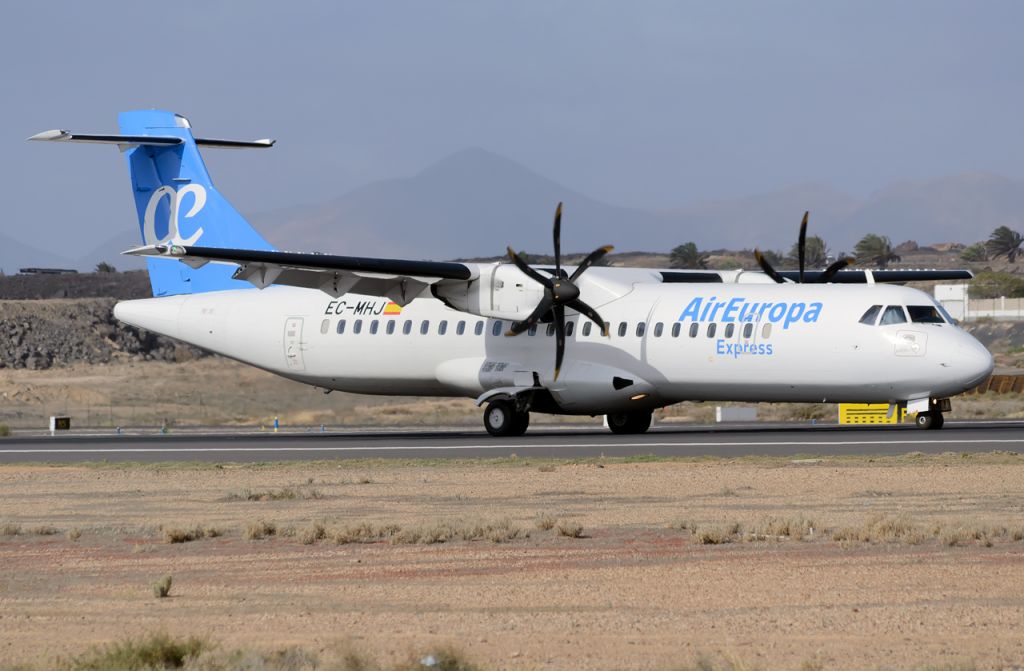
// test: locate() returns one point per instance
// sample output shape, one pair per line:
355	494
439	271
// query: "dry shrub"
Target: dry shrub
4	430
10	529
716	534
74	533
881	528
797	528
545	521
162	587
315	533
44	530
365	533
570	529
258	530
285	494
546	468
189	534
158	651
445	658
682	525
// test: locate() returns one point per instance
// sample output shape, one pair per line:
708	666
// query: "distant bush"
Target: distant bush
994	285
4	430
162	587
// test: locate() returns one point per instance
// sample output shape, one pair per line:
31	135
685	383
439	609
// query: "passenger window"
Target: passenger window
766	330
729	328
341	326
586	328
711	330
893	315
532	330
325	326
357	327
622	329
442	328
658	329
676	328
569	329
924	314
407	327
373	327
871	315
694	328
496	329
390	327
460	328
551	330
424	327
748	330
640	327
479	328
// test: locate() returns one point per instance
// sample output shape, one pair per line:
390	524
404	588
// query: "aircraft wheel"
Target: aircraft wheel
629	422
501	419
929	420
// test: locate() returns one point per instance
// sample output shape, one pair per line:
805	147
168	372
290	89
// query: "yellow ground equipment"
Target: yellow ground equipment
869	413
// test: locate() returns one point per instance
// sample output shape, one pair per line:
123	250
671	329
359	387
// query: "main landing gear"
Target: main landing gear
932	419
501	418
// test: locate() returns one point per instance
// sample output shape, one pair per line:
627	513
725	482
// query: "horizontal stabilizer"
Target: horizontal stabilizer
124	141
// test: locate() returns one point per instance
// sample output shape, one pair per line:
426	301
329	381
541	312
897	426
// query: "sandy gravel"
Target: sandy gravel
632	593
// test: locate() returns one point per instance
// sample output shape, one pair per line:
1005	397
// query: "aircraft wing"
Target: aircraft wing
397	279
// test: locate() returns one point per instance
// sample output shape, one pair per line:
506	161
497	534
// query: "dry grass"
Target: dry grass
570	529
285	494
778	528
717	534
545	521
189	534
74	533
10	529
4	430
881	528
259	530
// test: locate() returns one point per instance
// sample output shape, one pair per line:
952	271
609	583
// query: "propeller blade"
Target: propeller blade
590	313
802	245
525	267
831	271
558	240
535	316
767	267
559	338
591	259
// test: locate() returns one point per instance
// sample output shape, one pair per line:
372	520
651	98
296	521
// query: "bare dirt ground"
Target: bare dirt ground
891	563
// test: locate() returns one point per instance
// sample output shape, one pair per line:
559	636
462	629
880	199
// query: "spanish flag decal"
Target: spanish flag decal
392	309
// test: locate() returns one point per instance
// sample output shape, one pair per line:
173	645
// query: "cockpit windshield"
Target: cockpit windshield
925	314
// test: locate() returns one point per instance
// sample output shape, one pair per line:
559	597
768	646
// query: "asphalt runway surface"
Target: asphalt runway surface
541	442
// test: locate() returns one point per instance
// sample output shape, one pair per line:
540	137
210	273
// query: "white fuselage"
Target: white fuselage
767	342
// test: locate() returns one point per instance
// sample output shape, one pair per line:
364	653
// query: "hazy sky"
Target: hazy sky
652	104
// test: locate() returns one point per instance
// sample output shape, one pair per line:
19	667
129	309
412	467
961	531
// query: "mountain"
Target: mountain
110	251
15	255
471	203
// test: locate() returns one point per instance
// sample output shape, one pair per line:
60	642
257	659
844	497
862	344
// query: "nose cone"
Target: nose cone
974	363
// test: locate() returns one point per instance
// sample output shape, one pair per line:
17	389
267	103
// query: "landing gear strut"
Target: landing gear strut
932	419
501	418
629	422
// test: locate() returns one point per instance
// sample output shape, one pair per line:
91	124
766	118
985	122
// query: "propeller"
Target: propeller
826	276
560	292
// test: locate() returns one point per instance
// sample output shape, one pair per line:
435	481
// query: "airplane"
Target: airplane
573	340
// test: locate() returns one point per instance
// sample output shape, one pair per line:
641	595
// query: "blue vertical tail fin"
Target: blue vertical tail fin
177	203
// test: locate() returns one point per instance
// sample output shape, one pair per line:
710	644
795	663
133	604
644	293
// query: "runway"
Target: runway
558	443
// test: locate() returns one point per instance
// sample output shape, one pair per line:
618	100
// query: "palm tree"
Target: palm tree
104	267
1004	241
815	251
688	256
875	249
976	253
